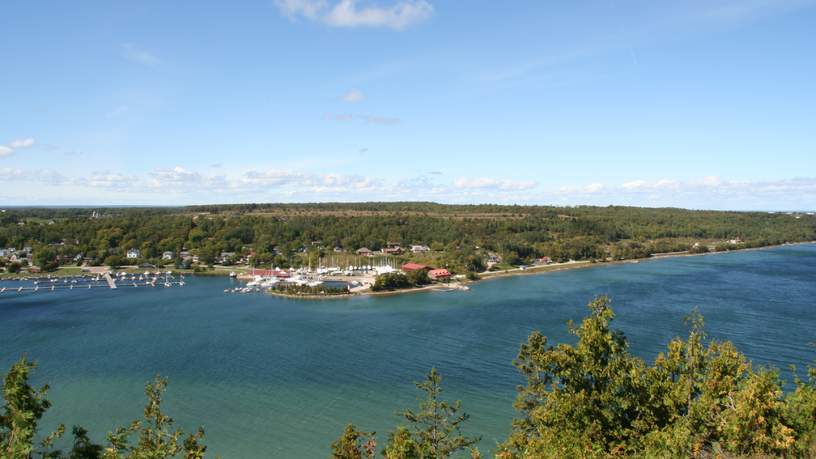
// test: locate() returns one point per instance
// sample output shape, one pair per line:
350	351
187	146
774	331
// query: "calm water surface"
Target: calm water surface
271	377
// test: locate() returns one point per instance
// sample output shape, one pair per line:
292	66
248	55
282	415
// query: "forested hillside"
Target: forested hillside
276	233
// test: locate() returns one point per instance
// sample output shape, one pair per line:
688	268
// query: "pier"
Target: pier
108	280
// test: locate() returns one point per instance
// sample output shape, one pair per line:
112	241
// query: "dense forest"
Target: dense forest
592	399
460	236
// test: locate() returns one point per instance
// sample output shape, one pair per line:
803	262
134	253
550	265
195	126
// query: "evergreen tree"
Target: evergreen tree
354	444
156	436
435	429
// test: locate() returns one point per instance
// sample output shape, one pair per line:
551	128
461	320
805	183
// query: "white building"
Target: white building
133	254
168	255
420	249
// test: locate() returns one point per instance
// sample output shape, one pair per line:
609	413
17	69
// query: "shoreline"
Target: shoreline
485	276
426	288
589	264
536	270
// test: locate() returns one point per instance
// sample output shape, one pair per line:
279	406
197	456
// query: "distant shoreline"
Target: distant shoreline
485	276
589	264
534	270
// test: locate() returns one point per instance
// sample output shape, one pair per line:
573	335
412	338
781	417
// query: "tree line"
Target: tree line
592	399
278	233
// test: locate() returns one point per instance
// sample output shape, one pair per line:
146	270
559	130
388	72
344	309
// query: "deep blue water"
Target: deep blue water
272	377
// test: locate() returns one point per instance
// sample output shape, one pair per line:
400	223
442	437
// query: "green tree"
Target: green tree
46	259
354	444
401	445
594	399
114	261
83	447
156	436
23	407
418	277
391	281
434	430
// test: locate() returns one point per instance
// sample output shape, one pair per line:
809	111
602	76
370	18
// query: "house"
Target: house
78	258
439	274
133	254
196	259
226	256
338	249
168	255
420	249
365	252
185	255
544	260
493	259
396	250
414	267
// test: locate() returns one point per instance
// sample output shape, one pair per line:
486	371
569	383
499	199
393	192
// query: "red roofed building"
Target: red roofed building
439	274
270	273
414	267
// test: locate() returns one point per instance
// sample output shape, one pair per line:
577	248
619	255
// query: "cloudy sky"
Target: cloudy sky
700	104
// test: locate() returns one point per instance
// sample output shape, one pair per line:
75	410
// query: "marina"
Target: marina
108	280
351	277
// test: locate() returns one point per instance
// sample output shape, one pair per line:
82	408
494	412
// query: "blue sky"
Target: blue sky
700	104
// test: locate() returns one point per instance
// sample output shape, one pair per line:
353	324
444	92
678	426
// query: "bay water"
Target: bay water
275	377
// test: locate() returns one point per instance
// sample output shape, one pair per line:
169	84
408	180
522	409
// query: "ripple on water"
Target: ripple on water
271	376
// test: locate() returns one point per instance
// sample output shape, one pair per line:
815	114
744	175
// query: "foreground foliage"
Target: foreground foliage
24	406
433	431
595	399
591	399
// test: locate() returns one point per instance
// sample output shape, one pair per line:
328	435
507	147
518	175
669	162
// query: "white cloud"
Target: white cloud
593	187
21	143
180	185
711	181
347	13
306	8
139	55
644	185
108	180
44	176
398	16
484	183
269	178
634	184
11	174
175	179
16	144
353	96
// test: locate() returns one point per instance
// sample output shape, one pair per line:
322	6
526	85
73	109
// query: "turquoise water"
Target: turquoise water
272	377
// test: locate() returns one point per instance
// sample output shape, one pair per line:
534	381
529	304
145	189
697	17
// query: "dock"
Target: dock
106	280
110	281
